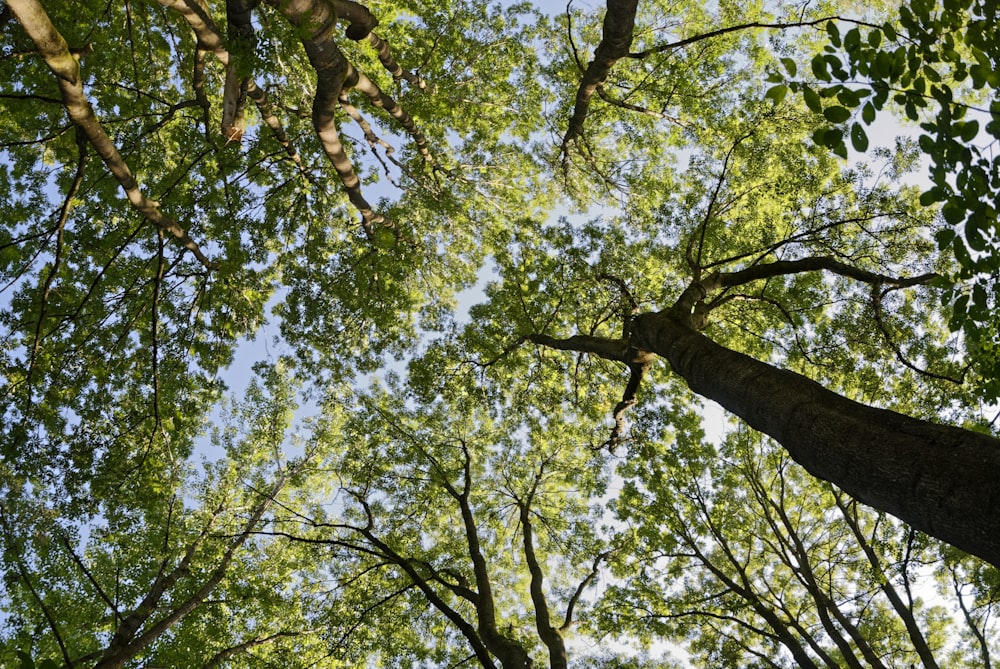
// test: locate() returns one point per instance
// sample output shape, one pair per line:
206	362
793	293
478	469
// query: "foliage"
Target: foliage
453	236
937	64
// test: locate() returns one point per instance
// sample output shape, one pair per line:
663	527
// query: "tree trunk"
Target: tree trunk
942	480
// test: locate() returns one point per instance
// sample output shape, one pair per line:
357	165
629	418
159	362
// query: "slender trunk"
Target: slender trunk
942	480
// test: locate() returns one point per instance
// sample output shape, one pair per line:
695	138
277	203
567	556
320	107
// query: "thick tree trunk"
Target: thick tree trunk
942	480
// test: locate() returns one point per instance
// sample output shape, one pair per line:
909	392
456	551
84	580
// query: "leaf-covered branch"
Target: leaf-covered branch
66	68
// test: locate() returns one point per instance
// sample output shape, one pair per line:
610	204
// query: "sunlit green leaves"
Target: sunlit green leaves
935	62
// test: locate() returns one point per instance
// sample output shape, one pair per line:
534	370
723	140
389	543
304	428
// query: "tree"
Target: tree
745	563
171	573
427	156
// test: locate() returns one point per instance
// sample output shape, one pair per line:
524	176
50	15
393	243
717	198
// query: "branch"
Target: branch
61	62
226	653
241	35
210	40
354	78
315	22
610	349
550	636
74	188
810	264
628	106
619	22
695	262
743	26
584	584
616	350
904	612
125	644
389	63
360	21
877	296
23	572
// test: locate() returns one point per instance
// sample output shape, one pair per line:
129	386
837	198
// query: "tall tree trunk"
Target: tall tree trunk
942	480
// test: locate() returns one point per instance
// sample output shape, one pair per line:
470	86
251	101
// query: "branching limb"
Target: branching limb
61	62
354	78
360	21
619	22
374	141
241	37
628	106
260	99
609	349
392	67
550	635
210	40
974	628
581	588
810	264
848	509
616	350
672	46
877	295
636	372
316	21
128	642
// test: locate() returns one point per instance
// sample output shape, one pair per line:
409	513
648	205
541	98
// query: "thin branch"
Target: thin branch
810	264
584	584
25	577
66	68
877	295
694	262
672	46
226	653
74	188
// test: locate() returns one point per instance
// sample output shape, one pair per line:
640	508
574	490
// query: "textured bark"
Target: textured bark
619	22
316	21
942	480
241	35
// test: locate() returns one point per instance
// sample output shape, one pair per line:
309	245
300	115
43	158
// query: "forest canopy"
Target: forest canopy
646	334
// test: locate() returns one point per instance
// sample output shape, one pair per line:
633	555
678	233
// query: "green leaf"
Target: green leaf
834	33
836	114
859	140
819	68
977	227
790	66
812	100
931	196
944	237
954	210
868	113
776	93
968	130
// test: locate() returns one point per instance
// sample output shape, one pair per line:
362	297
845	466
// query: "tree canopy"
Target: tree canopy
614	335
